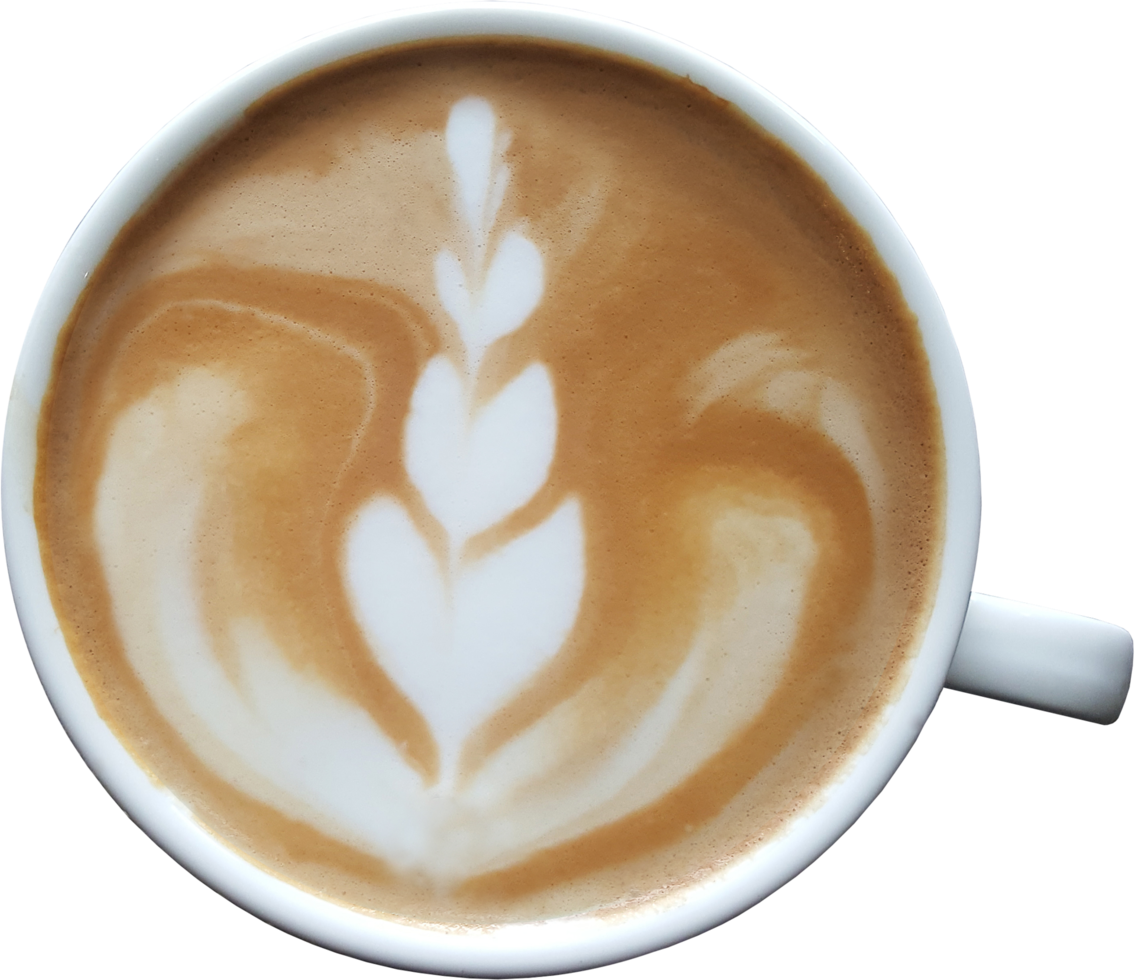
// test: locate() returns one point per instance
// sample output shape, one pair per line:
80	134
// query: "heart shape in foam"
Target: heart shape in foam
474	472
461	645
511	291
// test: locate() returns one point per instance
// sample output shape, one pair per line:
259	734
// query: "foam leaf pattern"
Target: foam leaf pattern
399	599
472	144
510	613
461	634
474	472
511	291
492	622
513	609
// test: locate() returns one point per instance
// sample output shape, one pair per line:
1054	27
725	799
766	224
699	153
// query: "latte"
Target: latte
494	481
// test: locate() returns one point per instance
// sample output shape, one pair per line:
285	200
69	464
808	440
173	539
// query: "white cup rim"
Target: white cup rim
555	946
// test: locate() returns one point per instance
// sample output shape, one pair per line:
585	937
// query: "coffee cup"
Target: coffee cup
57	709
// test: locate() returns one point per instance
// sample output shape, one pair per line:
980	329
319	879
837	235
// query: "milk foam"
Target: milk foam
475	526
289	740
460	637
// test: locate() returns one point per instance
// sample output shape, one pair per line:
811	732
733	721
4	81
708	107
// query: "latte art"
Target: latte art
491	516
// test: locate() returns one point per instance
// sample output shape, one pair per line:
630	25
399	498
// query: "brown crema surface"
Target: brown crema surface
295	256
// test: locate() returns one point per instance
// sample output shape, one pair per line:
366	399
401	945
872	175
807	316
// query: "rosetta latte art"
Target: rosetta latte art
461	628
460	637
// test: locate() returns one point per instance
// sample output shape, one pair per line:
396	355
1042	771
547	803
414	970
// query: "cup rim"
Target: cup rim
558	945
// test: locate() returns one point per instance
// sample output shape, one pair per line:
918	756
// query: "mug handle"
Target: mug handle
1023	654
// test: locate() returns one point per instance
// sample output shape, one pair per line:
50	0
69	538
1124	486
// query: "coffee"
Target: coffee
493	481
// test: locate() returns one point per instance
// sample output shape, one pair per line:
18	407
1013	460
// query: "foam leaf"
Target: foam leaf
398	596
469	137
512	290
458	662
512	611
472	475
435	437
496	194
453	291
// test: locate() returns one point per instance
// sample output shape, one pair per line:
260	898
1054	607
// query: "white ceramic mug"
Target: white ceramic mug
922	696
